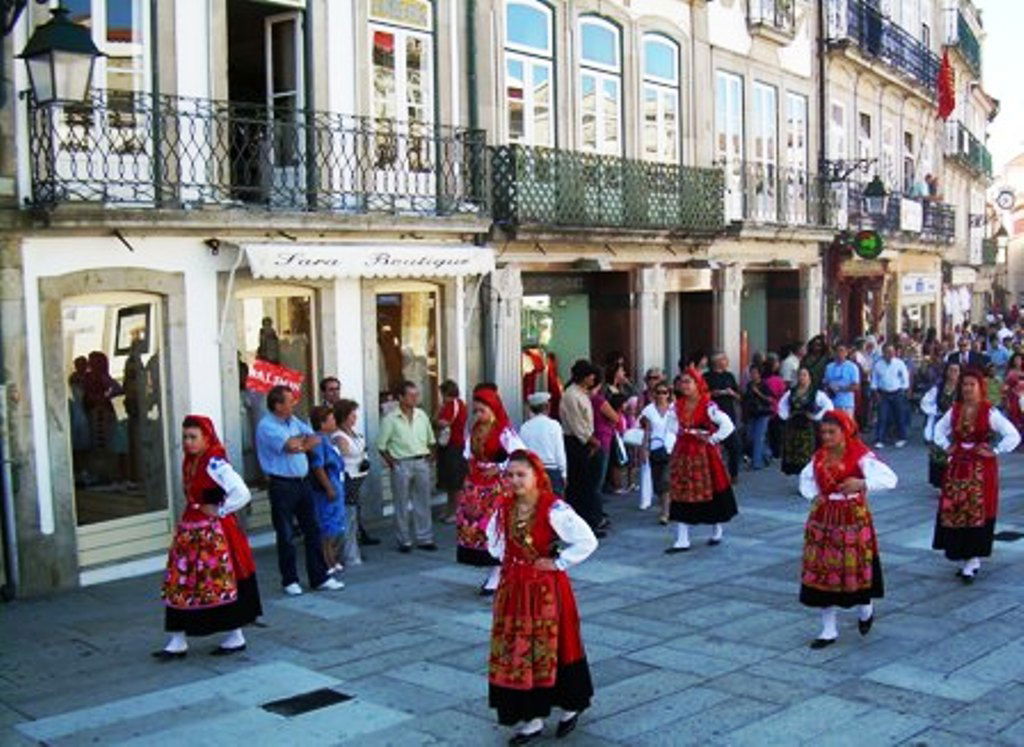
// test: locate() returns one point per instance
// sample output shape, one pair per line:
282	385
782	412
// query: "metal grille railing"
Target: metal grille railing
879	37
962	145
175	152
786	196
779	14
963	38
936	221
544	186
989	252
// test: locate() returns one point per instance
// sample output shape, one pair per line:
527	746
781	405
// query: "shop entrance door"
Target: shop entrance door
117	400
408	342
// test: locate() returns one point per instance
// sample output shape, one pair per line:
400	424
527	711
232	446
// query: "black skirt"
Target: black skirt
718	510
817	598
451	468
964	544
242	611
571	692
937	462
475	557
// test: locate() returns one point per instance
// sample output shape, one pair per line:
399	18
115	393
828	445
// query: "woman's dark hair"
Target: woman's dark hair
830	419
1014	357
343	408
319	414
449	389
488	386
191	422
617	401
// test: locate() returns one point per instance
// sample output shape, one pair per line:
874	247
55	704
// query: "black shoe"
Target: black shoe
566	727
864	626
674	550
165	655
520	738
604	523
600	533
226	651
428	546
968	579
405	548
712	542
822	643
485	592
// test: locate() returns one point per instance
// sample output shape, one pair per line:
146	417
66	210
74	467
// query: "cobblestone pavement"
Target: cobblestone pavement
706	647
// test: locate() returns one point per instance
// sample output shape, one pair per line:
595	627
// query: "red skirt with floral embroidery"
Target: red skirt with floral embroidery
965	524
841	566
537	659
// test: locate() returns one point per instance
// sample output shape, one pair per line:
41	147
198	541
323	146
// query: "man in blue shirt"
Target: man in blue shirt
842	380
282	442
891	382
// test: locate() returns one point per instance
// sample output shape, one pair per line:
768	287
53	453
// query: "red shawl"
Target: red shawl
492	400
831	475
195	478
703	398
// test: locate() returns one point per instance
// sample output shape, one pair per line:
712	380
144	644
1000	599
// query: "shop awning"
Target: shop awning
372	260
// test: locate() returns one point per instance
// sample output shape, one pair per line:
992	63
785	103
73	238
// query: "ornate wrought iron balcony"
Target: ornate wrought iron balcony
968	150
960	36
906	218
878	37
171	152
779	15
550	187
762	193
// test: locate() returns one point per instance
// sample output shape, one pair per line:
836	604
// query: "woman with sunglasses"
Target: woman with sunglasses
659	423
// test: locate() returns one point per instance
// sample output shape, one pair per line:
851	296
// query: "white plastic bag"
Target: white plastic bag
646	487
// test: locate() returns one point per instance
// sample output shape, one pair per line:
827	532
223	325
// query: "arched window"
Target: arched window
600	86
529	73
661	99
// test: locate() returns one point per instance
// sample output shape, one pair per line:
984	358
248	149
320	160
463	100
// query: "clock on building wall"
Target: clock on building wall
1005	199
867	244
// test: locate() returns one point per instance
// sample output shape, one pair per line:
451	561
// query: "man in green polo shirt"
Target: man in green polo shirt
406	443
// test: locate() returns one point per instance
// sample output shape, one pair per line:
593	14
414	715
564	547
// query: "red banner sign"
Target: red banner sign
264	376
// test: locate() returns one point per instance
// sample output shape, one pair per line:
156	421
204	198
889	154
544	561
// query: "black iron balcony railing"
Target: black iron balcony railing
550	187
173	152
968	150
764	193
960	35
880	38
776	14
908	218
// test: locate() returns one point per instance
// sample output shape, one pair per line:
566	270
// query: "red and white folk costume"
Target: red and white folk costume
841	565
969	504
700	490
537	658
487	451
210	582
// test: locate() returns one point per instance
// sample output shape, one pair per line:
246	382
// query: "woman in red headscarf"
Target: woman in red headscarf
210	583
491	440
700	491
969	503
537	658
841	566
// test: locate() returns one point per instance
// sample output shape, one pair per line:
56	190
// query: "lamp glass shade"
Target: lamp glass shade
60	76
876	198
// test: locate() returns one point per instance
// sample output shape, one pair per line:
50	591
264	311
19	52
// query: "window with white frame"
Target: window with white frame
889	173
119	30
796	131
762	175
661	99
837	131
729	150
529	79
600	89
909	164
865	135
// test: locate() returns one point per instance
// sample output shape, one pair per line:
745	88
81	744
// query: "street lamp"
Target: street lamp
60	57
876	198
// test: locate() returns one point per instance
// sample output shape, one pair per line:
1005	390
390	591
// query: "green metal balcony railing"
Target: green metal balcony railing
965	148
989	252
551	187
960	35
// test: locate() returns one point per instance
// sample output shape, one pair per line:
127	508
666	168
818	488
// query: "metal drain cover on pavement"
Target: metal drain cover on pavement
305	702
1008	536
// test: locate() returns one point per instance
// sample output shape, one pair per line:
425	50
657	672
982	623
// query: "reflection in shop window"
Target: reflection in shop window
275	345
112	354
407	340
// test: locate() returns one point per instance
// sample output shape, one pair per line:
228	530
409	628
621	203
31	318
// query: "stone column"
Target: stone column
505	325
728	289
811	321
650	338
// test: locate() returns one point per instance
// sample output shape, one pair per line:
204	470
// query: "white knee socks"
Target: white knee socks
682	535
493	578
177	644
829	631
234	639
971	566
532	726
865	611
717	531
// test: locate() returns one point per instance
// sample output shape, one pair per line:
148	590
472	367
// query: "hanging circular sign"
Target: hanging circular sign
1005	198
867	244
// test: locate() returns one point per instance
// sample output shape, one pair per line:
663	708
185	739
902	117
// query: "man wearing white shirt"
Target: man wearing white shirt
890	380
791	364
544	437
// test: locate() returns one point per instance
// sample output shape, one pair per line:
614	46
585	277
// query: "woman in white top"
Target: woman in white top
352	446
934	405
841	566
659	422
969	504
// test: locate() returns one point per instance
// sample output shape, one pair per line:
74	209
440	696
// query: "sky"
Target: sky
1002	70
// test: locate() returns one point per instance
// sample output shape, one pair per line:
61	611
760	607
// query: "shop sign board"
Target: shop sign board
918	284
264	376
911	215
407	260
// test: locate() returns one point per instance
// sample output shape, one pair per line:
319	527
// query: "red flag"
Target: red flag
947	90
